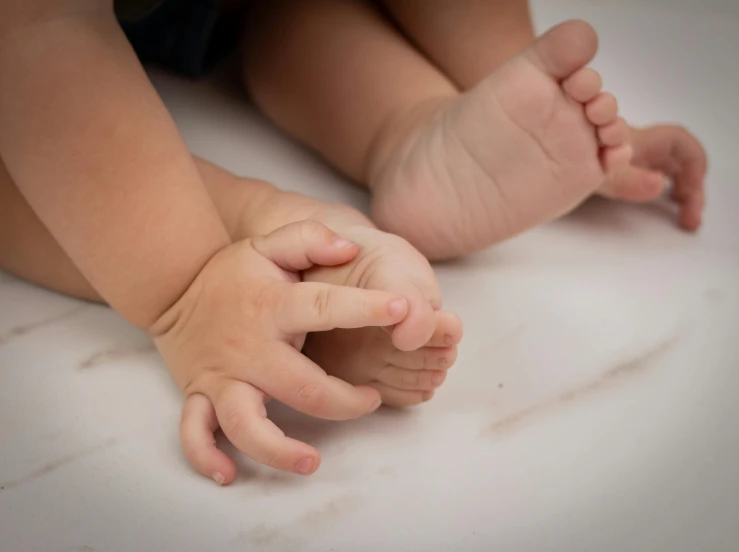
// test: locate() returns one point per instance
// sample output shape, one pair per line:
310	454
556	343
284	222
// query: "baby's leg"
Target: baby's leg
450	173
336	75
469	39
466	39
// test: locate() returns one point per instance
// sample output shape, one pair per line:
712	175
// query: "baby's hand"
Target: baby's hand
233	340
661	153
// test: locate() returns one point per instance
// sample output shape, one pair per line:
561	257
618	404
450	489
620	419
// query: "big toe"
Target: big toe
419	325
448	330
564	49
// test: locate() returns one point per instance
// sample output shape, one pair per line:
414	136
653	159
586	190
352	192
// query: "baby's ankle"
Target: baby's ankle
395	133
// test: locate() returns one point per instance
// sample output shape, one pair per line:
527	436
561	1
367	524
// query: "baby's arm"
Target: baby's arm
92	148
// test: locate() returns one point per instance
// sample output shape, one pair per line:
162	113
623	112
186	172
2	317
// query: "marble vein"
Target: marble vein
611	377
116	354
58	463
23	329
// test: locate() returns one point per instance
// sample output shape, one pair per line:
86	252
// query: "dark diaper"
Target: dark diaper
186	36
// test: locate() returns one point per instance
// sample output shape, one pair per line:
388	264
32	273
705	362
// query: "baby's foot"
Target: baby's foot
367	357
526	145
408	362
662	153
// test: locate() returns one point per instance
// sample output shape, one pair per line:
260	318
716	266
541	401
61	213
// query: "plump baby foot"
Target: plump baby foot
404	363
367	356
662	153
526	145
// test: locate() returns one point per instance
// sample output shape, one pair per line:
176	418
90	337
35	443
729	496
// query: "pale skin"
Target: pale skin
469	40
402	375
379	110
101	199
389	137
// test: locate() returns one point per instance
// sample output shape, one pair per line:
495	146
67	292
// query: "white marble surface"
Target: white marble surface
594	405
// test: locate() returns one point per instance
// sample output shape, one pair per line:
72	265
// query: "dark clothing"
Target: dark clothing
187	36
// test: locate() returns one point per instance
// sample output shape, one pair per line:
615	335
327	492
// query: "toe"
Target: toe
613	159
392	396
418	326
634	184
448	330
613	134
411	380
602	110
583	85
564	49
425	358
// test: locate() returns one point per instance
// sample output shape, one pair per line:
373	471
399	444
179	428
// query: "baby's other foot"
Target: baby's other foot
404	363
367	356
662	153
527	144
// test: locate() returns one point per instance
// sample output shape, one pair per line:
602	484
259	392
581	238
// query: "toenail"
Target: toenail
305	465
448	339
218	478
341	243
443	362
375	405
438	379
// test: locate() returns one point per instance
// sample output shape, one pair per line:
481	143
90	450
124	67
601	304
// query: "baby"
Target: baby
99	197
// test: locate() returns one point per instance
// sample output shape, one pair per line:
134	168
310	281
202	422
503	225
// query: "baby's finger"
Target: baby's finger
300	245
243	418
196	435
317	307
294	380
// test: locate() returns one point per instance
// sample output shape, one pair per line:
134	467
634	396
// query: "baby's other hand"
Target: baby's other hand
662	153
233	341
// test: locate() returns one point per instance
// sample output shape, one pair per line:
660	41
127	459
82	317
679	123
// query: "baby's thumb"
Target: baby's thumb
301	245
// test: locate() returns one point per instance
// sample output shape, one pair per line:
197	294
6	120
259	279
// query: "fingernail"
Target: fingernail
397	307
218	478
375	405
342	243
438	379
305	466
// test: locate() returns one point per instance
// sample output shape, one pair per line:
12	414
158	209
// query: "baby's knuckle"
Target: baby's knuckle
311	230
234	422
272	457
322	303
262	300
309	394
